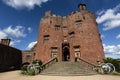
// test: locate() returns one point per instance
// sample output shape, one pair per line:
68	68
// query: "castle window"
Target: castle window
64	28
84	17
72	36
65	39
77	51
79	23
57	27
50	22
34	54
46	39
54	52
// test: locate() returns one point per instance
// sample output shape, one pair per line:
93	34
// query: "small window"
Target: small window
79	23
65	39
57	27
72	36
65	29
34	54
77	51
84	17
54	52
50	22
46	39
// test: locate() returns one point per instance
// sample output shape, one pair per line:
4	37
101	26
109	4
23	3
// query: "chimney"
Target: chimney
82	7
5	42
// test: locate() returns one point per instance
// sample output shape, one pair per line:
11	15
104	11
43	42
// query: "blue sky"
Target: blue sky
19	20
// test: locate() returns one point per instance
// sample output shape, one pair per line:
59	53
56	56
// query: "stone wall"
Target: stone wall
27	56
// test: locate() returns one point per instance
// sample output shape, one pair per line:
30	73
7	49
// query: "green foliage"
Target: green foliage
37	61
115	62
24	68
108	60
25	71
32	73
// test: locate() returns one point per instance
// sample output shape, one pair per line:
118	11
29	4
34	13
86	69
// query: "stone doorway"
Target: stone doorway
65	52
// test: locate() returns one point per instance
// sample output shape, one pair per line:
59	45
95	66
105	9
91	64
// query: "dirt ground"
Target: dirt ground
15	75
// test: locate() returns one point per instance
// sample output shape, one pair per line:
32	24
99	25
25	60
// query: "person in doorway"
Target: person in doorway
67	57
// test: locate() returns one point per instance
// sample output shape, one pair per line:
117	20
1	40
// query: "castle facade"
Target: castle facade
67	38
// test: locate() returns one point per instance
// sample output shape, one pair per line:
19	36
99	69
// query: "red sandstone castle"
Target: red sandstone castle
67	38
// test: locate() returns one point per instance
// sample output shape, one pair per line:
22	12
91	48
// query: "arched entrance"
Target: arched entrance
65	52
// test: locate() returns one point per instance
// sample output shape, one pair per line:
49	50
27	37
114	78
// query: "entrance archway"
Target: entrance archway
65	52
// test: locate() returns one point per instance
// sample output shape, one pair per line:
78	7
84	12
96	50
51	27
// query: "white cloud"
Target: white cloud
111	24
21	4
29	29
13	33
102	36
112	49
30	45
2	35
14	42
118	36
100	12
17	31
110	18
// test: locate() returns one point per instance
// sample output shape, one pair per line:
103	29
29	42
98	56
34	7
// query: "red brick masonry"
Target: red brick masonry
75	35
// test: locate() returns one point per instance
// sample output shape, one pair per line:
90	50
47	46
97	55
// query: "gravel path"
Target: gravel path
15	75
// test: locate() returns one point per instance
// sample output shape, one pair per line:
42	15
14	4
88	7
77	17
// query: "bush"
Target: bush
37	61
24	72
27	70
32	73
24	68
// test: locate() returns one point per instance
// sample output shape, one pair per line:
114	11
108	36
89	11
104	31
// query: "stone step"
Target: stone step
67	68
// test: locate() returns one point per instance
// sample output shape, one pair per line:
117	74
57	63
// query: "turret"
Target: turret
48	13
82	6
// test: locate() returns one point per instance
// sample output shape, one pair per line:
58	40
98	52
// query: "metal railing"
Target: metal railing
88	64
49	63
